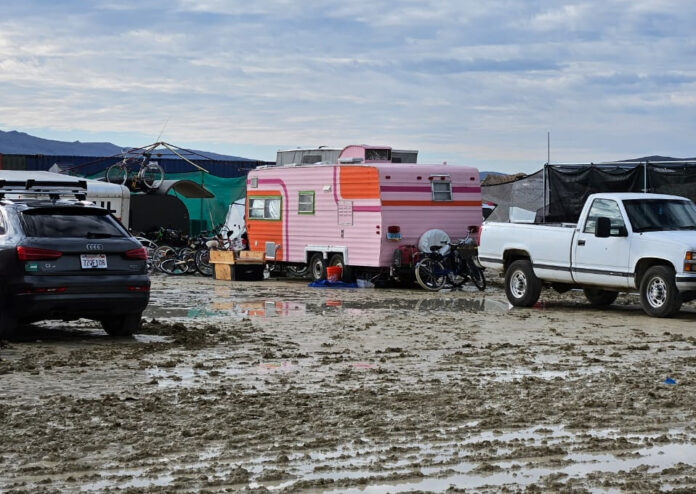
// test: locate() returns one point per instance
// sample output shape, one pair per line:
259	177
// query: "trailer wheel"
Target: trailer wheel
522	287
346	272
317	268
600	298
297	271
659	295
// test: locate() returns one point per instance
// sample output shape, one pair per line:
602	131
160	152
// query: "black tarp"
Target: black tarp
678	180
570	187
148	212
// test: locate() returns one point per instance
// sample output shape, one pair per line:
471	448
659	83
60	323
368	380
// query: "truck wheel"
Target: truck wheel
124	325
658	292
317	268
600	298
522	287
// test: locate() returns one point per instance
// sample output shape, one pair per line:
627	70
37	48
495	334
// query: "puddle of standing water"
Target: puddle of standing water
284	308
368	463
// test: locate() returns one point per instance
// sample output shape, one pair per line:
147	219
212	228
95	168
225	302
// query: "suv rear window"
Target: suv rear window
70	222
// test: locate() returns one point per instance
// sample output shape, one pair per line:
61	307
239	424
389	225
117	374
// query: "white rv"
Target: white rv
114	197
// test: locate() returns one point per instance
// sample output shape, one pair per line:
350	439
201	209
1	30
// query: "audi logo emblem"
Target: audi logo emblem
95	247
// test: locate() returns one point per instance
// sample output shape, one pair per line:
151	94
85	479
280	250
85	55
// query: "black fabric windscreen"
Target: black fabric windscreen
568	189
679	180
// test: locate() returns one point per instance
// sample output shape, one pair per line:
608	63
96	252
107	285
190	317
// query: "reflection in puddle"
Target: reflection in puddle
152	338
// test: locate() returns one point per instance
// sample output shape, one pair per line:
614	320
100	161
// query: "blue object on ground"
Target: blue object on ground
332	284
669	380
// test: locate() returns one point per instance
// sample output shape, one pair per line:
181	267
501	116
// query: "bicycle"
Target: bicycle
220	241
150	247
453	264
139	174
172	260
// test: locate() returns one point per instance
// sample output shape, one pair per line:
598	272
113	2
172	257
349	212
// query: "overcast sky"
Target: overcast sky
469	82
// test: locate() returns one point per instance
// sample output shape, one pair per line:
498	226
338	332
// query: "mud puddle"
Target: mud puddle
276	386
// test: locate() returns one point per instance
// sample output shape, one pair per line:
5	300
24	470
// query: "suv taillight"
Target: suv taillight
137	254
36	254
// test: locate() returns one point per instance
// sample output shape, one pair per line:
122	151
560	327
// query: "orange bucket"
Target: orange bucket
333	273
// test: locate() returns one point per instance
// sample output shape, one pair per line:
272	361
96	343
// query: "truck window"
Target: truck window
660	214
609	209
305	202
442	190
264	208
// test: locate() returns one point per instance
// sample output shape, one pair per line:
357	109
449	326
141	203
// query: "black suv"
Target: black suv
64	259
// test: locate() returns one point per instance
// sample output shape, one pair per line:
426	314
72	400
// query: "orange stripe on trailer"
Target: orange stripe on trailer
431	203
358	182
260	231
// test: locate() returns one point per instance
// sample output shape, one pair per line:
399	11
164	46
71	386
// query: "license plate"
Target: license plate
93	261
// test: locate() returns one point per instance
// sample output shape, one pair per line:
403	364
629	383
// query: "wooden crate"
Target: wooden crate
222	257
222	272
252	257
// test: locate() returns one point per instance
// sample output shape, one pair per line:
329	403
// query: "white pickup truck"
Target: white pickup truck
623	242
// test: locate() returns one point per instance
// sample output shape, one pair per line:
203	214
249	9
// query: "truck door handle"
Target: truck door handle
581	242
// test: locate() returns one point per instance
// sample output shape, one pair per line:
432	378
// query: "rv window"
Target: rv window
378	155
2	226
306	202
264	208
442	191
309	159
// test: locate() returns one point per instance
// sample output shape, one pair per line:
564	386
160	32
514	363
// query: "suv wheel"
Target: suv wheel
124	325
8	323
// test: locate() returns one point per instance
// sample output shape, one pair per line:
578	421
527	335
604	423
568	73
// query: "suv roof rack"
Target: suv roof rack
52	188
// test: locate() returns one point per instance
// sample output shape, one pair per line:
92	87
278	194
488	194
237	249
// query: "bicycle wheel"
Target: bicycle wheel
203	262
476	274
117	173
430	274
162	253
151	175
173	266
188	256
150	248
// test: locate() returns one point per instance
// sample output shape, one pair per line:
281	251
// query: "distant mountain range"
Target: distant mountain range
14	142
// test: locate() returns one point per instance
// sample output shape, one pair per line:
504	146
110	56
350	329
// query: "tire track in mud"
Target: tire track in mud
404	391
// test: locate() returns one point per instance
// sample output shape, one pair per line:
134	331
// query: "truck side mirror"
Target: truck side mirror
603	227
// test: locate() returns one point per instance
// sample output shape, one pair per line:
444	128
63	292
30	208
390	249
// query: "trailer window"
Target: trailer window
306	202
264	208
442	190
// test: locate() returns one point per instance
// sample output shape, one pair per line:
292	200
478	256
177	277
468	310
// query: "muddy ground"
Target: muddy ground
275	386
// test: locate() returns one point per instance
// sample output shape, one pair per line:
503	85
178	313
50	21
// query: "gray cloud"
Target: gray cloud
470	82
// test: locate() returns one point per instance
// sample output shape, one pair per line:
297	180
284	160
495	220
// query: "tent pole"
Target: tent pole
200	220
543	177
645	176
543	174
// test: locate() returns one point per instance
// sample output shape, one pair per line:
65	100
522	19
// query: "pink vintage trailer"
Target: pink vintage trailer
358	212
